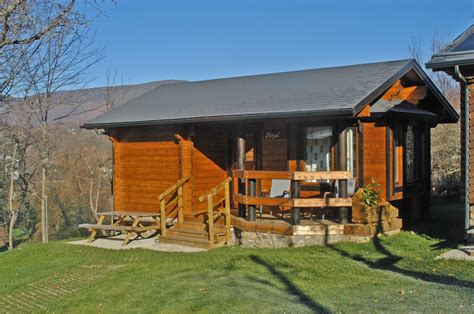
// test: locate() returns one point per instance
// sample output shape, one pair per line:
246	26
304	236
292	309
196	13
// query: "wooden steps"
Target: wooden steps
194	234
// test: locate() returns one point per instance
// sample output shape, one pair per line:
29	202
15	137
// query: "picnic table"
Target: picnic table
126	222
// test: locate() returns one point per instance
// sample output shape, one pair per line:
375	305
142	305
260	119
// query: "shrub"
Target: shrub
371	194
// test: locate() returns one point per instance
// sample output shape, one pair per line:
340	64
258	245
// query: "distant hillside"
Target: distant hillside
75	107
95	101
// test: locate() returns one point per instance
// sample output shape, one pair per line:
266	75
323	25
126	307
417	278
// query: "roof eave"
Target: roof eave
445	63
229	118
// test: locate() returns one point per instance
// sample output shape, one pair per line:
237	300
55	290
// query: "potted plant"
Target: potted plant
368	206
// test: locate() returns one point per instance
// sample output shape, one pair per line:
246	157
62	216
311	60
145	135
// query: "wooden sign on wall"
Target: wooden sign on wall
274	134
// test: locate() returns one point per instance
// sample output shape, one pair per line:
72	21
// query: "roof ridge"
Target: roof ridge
296	71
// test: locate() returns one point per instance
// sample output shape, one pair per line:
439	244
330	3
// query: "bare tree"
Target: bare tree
23	23
16	173
446	178
444	82
62	62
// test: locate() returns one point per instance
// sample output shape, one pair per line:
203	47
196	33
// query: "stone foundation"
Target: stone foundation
252	239
279	234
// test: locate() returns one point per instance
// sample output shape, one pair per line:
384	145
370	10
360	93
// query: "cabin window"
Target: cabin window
318	148
410	140
397	156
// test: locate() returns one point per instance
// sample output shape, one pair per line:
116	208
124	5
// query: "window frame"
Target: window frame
397	158
416	154
304	132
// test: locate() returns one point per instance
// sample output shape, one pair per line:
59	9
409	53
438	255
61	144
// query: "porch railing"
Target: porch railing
171	204
249	193
217	208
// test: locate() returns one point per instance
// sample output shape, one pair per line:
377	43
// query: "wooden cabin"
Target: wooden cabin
372	121
457	60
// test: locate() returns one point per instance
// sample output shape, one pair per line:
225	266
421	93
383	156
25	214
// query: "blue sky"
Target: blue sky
147	40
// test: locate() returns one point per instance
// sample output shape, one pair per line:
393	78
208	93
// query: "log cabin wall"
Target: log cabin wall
209	162
148	160
146	163
380	153
275	146
375	155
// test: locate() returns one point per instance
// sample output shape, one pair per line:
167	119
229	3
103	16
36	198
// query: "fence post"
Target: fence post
227	212
252	210
210	212
163	218
295	193
180	205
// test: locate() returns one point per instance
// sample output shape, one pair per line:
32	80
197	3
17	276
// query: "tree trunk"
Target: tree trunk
10	230
91	199
43	203
10	200
44	164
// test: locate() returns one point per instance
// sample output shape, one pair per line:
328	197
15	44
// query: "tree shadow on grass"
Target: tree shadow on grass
390	260
290	287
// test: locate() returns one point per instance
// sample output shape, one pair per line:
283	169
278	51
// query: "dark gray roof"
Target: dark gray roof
339	90
458	52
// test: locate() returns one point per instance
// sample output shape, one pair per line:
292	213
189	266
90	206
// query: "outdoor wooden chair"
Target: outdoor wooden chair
280	188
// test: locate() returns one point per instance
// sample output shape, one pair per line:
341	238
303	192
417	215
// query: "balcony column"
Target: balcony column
240	152
342	166
252	209
295	193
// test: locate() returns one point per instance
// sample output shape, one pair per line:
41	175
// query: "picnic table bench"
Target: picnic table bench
127	222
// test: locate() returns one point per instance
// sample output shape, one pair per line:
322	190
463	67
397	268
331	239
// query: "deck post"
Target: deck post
252	210
240	152
295	193
342	161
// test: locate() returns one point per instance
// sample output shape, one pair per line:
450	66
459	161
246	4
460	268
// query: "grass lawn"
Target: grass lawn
391	274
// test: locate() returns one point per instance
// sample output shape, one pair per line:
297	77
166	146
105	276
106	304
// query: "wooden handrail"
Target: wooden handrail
246	198
175	203
293	175
173	188
215	189
223	210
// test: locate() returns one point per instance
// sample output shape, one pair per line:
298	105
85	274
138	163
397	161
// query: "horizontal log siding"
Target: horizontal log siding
275	151
208	161
142	171
375	155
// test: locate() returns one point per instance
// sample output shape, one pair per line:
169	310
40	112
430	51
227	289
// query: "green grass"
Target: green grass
397	273
391	274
